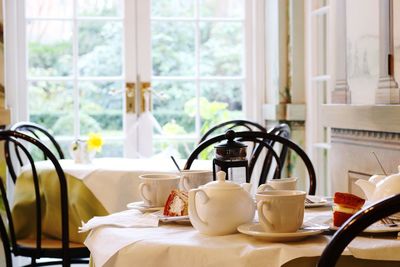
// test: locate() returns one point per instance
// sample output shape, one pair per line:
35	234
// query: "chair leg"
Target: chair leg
66	262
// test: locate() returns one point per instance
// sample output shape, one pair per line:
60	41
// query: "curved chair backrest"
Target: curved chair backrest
254	150
265	139
232	125
19	140
282	130
354	226
36	131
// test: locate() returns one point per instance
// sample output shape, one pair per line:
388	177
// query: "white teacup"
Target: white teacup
155	188
279	184
191	179
281	211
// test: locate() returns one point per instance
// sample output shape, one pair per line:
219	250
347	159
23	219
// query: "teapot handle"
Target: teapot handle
261	215
192	205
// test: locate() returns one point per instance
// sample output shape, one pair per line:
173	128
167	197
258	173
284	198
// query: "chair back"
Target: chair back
36	131
263	139
8	236
282	130
354	226
236	125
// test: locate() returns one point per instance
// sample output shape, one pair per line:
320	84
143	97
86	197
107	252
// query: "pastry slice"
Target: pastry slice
344	206
177	203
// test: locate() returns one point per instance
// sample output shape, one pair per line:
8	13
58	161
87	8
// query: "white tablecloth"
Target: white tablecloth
180	245
115	181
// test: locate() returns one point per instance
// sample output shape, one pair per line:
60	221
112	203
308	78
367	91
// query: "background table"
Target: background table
180	245
105	186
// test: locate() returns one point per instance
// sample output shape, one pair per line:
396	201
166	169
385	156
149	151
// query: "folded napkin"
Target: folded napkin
127	218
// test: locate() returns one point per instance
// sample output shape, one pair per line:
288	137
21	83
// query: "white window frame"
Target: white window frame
15	60
317	139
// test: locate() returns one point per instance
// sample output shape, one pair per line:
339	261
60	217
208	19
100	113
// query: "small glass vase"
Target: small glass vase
80	153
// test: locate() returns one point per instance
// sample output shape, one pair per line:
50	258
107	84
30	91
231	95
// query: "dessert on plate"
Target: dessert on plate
177	204
344	206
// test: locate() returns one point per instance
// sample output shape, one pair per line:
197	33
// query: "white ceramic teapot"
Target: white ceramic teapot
219	207
380	186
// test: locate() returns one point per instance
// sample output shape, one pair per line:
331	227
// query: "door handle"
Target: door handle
130	96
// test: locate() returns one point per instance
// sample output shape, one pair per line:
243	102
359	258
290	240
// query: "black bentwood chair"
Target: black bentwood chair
236	125
354	226
263	140
38	132
39	246
253	149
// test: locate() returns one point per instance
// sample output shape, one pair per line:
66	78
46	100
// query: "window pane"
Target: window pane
49	48
221	101
100	48
172	8
100	8
173	48
178	148
101	108
174	106
51	105
222	8
221	49
49	8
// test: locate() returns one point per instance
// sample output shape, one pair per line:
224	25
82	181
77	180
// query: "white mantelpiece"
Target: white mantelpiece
356	132
382	118
351	156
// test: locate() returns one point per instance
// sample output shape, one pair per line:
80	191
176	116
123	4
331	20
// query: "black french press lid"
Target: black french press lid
230	148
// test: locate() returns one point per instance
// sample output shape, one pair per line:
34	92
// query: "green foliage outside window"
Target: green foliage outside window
100	54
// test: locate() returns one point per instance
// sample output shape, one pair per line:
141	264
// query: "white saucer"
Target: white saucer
317	202
140	206
255	229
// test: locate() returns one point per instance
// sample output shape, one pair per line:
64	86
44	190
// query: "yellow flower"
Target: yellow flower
95	142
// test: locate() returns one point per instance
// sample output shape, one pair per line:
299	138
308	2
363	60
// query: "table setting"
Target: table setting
101	187
272	227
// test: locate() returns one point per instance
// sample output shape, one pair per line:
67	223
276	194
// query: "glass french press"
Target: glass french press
230	154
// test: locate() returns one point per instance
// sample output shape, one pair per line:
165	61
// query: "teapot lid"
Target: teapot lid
221	183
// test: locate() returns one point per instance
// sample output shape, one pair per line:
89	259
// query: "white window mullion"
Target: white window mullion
22	65
197	67
75	71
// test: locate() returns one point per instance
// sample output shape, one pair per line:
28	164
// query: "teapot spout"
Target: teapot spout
367	187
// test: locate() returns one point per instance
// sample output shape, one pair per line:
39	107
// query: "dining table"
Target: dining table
102	187
179	244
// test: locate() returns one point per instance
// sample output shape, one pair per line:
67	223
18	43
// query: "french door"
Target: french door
150	76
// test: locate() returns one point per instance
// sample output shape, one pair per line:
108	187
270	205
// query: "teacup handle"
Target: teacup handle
261	215
192	205
141	192
264	187
185	183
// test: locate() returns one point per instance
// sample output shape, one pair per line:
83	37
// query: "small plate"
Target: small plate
374	228
141	207
165	219
317	202
255	229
